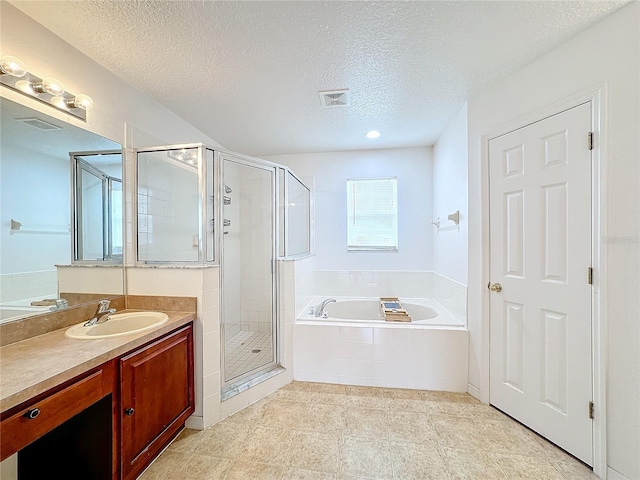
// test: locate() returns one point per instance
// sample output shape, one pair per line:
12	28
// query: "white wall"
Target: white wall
450	161
49	176
412	166
607	52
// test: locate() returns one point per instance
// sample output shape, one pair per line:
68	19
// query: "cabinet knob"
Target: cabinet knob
32	413
128	411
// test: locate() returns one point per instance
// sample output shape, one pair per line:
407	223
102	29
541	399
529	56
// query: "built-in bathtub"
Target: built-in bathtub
354	346
18	309
423	311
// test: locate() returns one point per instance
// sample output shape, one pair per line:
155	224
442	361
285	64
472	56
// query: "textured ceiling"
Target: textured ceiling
247	73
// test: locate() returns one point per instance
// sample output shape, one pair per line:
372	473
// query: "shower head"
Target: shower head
227	188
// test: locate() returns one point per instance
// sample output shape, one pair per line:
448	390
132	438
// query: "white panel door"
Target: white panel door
540	347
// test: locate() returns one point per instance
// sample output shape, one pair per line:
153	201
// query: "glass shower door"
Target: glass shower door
248	252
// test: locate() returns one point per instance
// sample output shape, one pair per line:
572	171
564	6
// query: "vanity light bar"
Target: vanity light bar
14	75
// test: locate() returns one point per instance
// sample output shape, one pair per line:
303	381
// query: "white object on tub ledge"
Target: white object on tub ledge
424	312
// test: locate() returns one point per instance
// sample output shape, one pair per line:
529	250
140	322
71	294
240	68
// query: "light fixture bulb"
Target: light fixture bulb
372	134
52	86
12	66
60	102
85	102
26	87
49	85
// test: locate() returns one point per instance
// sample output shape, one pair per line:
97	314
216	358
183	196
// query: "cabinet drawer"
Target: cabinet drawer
41	417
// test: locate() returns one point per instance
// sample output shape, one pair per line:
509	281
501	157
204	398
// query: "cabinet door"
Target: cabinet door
156	397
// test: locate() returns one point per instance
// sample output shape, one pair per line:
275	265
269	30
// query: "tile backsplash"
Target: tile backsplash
28	285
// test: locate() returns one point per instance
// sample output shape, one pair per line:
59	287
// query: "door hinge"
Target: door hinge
591	410
590	140
590	275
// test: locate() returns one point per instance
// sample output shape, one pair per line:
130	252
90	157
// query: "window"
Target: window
372	213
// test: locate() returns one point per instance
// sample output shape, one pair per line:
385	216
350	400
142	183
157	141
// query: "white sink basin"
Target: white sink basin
119	324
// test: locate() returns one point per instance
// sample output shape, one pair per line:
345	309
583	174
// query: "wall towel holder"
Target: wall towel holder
16	227
455	217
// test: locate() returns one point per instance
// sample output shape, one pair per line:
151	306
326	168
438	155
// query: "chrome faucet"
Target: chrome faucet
102	313
60	303
319	312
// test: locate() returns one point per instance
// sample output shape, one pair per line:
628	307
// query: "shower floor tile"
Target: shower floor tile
246	351
299	433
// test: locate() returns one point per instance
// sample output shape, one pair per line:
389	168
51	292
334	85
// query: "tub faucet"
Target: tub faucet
59	304
102	313
319	312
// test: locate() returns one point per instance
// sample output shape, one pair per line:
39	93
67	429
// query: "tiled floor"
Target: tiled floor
314	431
246	351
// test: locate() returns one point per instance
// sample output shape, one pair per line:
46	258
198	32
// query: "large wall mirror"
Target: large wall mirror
49	250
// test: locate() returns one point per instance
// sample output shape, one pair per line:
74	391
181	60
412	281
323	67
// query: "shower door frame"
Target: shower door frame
77	162
244	380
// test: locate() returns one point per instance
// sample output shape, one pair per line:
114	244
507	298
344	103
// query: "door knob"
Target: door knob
495	287
128	411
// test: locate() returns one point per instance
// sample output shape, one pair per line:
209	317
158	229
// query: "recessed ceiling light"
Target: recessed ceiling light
373	134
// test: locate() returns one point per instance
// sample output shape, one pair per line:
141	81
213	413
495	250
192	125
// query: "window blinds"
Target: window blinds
372	214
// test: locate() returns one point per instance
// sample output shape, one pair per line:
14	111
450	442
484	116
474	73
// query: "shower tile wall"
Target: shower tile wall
167	209
255	308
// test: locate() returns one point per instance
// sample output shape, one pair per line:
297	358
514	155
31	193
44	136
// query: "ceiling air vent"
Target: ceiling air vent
335	98
37	123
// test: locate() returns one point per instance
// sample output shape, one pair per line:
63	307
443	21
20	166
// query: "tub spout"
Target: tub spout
319	312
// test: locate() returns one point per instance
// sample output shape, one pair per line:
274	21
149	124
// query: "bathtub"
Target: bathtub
354	346
423	312
18	309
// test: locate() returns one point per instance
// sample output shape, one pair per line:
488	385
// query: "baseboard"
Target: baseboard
195	423
613	475
473	391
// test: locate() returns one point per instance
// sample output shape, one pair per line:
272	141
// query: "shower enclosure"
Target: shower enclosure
199	206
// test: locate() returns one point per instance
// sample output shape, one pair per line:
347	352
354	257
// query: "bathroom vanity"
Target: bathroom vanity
95	408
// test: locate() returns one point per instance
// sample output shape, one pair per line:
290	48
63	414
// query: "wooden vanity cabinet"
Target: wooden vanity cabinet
44	431
114	419
156	397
